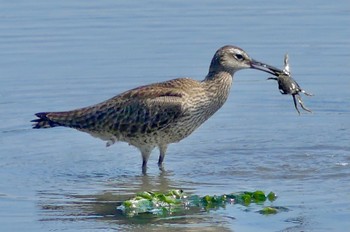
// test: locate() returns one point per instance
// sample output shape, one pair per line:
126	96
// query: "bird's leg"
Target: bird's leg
145	152
302	104
162	151
144	166
295	103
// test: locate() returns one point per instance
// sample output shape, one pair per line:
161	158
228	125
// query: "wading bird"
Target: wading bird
158	114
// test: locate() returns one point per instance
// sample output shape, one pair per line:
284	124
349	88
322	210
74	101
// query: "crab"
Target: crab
287	85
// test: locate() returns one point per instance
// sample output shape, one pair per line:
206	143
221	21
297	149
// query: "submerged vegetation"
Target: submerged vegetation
176	201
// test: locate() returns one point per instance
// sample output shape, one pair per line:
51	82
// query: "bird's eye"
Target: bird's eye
239	57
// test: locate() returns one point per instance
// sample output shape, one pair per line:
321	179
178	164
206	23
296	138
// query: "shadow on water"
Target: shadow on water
102	207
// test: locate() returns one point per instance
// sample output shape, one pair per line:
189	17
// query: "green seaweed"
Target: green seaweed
272	210
271	196
164	204
268	210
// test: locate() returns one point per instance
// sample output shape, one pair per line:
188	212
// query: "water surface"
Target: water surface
63	55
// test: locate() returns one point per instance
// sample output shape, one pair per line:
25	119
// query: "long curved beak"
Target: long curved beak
265	67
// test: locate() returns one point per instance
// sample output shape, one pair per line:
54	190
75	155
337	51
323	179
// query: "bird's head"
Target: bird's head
231	59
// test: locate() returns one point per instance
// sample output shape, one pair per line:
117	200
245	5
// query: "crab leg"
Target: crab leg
302	104
295	103
306	93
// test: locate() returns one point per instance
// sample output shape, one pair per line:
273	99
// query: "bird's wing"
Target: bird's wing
142	110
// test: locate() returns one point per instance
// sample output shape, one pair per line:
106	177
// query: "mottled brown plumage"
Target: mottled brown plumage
158	114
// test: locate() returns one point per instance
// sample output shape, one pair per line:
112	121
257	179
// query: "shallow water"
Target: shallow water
63	55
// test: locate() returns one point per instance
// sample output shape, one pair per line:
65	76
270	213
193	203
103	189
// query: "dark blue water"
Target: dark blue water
63	55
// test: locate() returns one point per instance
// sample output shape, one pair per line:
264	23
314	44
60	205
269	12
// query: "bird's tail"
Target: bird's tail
51	119
84	118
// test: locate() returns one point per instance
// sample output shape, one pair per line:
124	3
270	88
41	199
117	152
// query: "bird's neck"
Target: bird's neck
218	83
218	86
215	74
